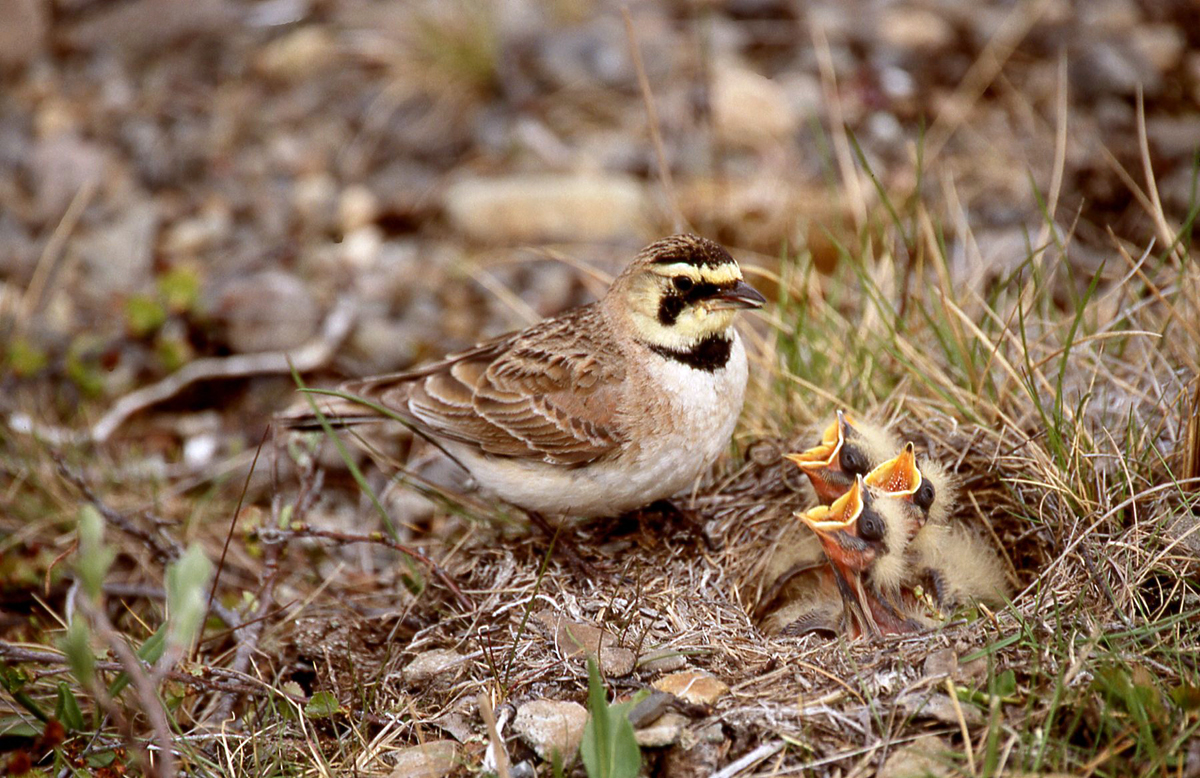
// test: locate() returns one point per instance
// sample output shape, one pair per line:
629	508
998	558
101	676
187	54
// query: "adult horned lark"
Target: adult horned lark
600	410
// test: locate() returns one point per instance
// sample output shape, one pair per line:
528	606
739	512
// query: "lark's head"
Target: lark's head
681	293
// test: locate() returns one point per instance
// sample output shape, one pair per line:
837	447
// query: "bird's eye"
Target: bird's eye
853	461
683	283
923	499
870	527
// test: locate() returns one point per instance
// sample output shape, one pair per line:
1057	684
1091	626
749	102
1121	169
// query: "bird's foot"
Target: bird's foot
562	543
665	512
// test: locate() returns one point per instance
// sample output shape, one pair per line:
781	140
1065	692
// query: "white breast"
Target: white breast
694	421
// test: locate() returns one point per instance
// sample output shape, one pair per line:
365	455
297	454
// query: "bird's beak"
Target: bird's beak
898	476
834	526
819	463
822	454
740	295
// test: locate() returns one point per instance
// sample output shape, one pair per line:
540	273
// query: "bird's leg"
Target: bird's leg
561	542
941	588
689	519
888	617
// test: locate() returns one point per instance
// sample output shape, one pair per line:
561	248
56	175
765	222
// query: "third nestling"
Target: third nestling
892	555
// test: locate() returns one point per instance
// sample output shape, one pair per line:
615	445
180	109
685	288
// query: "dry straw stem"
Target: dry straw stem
660	153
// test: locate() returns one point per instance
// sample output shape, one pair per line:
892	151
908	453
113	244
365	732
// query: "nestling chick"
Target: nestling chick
950	562
848	448
865	534
957	567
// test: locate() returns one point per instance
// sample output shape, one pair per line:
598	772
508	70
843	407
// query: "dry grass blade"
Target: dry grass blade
1191	444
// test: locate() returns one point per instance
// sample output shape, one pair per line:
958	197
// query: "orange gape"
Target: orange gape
898	476
822	463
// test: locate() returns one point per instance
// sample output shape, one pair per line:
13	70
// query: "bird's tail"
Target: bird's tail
339	412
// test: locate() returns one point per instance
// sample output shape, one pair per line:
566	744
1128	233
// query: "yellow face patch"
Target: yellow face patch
690	322
720	275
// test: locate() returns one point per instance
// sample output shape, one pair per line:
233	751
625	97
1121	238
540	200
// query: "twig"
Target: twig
232	683
962	725
147	694
212	593
764	751
163	550
983	71
53	250
305	531
249	634
495	744
855	193
307	358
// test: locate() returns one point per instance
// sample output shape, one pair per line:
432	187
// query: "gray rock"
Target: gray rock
694	686
663	732
925	757
23	33
431	664
146	25
1107	67
534	208
579	640
913	30
550	726
62	165
940	707
750	110
268	311
18	255
434	759
118	257
300	54
663	660
1161	46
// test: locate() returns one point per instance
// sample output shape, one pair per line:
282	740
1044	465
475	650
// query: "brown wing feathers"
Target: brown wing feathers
517	396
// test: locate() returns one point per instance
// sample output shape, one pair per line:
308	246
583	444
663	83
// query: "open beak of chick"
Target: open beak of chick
836	527
900	477
823	462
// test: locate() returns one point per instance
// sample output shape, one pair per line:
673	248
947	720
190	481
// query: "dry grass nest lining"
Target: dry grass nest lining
671	590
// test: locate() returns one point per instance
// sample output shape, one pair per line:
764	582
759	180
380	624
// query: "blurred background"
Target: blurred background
204	178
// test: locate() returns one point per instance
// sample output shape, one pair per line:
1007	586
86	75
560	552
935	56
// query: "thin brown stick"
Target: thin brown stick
664	170
147	694
248	634
495	744
212	593
163	549
307	358
53	250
